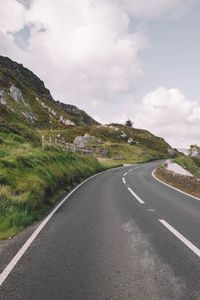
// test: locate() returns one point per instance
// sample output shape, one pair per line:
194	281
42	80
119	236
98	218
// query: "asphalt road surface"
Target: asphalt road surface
121	235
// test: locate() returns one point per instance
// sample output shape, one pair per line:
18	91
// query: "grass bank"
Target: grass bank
30	182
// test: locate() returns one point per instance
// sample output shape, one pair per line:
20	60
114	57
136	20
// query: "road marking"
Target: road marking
30	240
125	174
136	196
172	187
123	179
181	238
151	209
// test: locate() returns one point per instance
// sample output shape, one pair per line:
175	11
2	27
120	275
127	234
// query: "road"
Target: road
121	235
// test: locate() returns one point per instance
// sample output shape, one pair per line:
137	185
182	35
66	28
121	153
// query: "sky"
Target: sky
116	59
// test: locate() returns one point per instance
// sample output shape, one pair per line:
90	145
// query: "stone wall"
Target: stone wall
188	184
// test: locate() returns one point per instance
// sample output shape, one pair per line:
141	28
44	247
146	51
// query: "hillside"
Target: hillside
24	93
35	164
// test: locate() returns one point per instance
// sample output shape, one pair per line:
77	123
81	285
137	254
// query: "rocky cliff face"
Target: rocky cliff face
25	95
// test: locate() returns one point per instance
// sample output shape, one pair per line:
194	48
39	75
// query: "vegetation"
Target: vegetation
189	163
129	123
144	144
30	180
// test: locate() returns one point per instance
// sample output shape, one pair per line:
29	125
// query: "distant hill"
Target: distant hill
24	94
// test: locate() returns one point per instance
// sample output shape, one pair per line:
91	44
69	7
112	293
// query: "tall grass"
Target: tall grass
29	181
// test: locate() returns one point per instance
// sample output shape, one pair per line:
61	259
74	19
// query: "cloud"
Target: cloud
168	113
12	16
153	9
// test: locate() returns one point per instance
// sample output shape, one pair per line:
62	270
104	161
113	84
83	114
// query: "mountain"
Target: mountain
24	94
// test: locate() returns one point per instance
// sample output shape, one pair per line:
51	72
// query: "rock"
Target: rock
171	152
2	99
123	135
130	141
66	122
83	141
51	111
16	94
30	116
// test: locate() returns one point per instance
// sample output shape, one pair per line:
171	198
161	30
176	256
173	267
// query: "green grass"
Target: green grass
29	182
31	179
190	164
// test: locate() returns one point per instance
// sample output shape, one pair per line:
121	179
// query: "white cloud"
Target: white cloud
12	16
168	113
156	8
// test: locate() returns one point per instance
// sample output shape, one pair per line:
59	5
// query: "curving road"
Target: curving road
121	235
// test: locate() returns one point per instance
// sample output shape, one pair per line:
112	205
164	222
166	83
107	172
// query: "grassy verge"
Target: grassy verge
30	182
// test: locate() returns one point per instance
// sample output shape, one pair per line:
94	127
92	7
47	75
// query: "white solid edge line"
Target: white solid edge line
123	180
23	249
181	237
172	187
136	196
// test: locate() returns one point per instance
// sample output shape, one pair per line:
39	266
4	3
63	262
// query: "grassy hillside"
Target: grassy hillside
146	146
24	93
32	178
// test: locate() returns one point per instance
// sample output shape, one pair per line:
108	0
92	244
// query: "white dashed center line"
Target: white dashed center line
136	196
123	179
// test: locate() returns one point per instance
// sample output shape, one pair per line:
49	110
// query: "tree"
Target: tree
193	149
129	123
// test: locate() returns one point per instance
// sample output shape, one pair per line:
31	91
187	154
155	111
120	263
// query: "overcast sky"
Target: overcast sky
116	59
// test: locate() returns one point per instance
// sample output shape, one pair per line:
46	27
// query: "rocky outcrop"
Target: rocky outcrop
16	94
82	141
23	93
66	122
